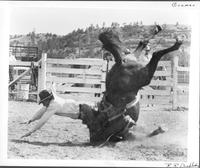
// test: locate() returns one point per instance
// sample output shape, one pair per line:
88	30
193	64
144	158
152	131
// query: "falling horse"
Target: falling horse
119	108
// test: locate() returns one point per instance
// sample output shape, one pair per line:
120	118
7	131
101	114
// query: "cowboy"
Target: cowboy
99	127
52	104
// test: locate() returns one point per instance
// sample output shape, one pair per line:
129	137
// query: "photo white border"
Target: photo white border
193	127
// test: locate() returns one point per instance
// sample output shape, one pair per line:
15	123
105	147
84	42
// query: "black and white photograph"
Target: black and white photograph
100	83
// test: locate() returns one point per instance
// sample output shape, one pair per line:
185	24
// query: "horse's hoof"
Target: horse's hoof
178	43
158	28
163	129
159	130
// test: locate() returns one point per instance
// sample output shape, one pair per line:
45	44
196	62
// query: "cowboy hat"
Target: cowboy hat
44	95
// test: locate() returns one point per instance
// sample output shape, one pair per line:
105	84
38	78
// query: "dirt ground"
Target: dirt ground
64	138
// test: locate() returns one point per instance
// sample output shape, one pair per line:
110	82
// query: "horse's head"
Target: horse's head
112	43
109	38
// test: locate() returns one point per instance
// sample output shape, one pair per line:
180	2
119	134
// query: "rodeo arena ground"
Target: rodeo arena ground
119	107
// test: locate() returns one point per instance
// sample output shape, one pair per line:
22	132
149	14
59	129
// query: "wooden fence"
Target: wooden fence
84	79
78	79
159	91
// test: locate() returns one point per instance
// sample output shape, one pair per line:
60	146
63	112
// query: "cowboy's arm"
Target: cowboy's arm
36	116
39	114
71	115
49	112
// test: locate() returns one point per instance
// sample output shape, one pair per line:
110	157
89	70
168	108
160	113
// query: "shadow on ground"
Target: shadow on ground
39	143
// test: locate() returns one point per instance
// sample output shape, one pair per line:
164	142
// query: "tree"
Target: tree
33	38
103	25
115	25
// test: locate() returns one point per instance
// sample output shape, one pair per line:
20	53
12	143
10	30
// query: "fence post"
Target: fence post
175	81
42	74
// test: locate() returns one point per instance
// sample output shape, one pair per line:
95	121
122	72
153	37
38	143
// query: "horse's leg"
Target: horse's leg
143	44
152	65
140	47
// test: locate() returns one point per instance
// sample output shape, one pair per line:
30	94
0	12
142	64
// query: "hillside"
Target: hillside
85	43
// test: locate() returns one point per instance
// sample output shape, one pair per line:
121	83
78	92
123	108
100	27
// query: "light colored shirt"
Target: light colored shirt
57	106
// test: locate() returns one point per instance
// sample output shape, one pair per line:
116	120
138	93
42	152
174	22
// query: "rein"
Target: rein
107	66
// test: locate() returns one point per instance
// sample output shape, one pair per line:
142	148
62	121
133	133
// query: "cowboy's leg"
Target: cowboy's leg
141	46
94	120
99	127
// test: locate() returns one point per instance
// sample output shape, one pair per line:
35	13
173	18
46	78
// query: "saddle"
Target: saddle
108	122
113	112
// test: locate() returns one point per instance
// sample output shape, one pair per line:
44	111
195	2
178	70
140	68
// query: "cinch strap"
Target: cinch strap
133	102
128	106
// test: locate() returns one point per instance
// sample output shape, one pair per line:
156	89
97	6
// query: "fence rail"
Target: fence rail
85	79
88	77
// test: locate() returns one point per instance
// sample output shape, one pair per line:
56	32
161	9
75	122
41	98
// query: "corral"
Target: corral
63	138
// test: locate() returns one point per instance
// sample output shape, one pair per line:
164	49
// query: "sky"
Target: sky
64	17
